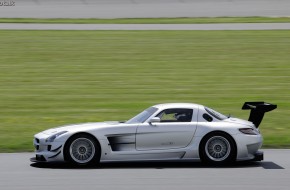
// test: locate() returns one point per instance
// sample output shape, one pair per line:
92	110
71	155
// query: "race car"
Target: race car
172	131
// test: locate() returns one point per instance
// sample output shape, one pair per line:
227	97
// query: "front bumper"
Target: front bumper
47	151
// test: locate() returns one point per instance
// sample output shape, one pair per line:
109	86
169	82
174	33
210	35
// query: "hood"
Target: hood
239	121
81	126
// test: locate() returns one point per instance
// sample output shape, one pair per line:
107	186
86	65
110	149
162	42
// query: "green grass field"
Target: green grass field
52	78
197	20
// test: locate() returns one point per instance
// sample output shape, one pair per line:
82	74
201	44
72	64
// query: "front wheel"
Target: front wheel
218	148
82	150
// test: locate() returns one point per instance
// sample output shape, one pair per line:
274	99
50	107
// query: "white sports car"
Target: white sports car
175	131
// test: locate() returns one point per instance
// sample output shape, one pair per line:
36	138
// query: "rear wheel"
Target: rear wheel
82	150
218	148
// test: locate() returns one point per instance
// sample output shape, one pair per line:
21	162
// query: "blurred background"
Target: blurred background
52	78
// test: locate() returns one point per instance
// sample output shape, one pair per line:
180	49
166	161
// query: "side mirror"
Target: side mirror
154	120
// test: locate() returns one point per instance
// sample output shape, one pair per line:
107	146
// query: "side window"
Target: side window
175	115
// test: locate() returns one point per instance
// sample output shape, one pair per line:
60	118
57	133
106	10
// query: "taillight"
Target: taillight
249	131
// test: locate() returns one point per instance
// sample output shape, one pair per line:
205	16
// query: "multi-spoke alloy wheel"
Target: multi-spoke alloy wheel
82	149
218	148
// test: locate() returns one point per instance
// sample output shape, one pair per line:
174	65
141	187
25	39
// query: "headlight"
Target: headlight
249	131
52	137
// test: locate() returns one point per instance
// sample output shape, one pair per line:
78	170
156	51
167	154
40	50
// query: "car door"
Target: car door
175	130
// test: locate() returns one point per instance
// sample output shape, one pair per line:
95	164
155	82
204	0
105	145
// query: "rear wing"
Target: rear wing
258	109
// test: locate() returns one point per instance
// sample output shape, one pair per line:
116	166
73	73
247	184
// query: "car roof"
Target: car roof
177	105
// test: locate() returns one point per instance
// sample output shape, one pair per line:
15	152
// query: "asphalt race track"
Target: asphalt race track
142	8
17	172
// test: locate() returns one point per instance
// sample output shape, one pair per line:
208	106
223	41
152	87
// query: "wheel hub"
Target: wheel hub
82	150
217	148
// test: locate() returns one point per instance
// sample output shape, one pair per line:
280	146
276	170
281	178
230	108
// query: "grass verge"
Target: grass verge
52	78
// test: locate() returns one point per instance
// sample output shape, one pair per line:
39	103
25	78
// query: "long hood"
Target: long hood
239	121
81	127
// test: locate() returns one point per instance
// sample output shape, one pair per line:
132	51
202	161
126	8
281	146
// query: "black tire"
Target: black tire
82	150
218	148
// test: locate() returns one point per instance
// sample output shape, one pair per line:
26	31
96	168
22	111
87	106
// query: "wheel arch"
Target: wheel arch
81	133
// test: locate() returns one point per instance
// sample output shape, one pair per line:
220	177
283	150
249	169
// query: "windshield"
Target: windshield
143	116
215	114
